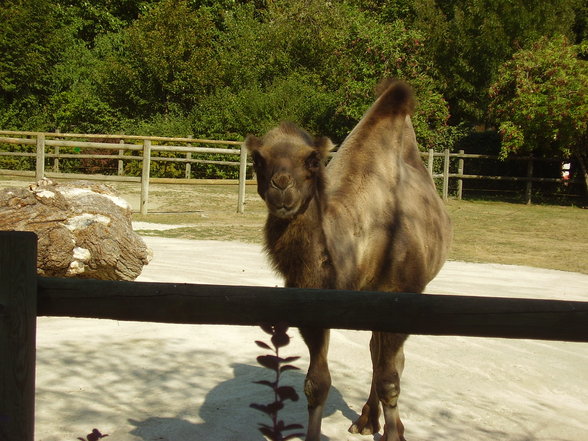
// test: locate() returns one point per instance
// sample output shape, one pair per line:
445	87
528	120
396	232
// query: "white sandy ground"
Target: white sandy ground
147	381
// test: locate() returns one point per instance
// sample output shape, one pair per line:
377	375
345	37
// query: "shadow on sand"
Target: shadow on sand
226	413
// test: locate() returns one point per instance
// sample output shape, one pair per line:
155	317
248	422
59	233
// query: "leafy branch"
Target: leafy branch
275	430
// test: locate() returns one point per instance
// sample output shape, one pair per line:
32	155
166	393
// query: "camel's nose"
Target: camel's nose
281	181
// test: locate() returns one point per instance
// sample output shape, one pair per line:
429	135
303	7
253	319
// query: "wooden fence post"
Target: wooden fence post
56	159
446	174
188	169
18	315
145	175
242	177
430	160
40	164
460	172
121	164
529	190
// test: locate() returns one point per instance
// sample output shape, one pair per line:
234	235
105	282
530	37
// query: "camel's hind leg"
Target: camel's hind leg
388	363
318	379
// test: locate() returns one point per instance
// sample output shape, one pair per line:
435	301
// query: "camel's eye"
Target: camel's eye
313	161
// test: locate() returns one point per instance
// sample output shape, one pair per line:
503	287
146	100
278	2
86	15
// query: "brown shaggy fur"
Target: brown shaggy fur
371	220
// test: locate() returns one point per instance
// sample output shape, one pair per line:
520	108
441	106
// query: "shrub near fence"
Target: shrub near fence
145	158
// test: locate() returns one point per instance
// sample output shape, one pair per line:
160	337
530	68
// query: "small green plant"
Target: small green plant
94	436
275	430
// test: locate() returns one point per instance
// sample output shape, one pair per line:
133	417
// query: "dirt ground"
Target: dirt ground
161	382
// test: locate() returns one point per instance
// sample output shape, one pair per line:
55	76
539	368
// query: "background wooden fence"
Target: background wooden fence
45	149
24	296
145	145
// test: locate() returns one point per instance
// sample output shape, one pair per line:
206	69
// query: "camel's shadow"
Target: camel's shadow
226	413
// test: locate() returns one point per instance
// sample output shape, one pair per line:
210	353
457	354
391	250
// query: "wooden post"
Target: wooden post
460	172
56	159
121	164
145	175
40	164
18	313
242	177
430	161
188	170
529	190
446	174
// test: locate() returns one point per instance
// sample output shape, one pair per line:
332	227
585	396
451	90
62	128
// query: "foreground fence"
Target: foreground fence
147	149
24	296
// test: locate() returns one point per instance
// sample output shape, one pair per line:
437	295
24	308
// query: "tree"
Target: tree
540	101
316	64
33	37
164	64
468	40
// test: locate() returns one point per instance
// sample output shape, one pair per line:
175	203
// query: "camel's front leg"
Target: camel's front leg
387	374
388	362
318	379
369	421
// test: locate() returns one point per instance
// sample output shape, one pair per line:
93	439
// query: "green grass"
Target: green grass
545	236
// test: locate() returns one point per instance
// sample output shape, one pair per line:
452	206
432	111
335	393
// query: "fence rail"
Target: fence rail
147	146
24	296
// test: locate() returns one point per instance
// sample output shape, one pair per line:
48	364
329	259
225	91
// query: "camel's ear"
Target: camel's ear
323	145
253	143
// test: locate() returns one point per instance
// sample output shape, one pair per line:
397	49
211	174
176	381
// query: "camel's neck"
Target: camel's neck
297	248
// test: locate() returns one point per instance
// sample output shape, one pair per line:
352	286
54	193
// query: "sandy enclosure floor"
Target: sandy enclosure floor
147	381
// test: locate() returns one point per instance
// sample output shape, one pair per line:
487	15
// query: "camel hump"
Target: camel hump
395	98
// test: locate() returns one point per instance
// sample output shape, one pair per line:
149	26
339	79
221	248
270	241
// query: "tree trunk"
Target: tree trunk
84	229
582	161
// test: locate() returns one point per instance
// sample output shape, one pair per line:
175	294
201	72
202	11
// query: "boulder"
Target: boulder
84	229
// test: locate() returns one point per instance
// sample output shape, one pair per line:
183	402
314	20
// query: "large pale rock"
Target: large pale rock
84	229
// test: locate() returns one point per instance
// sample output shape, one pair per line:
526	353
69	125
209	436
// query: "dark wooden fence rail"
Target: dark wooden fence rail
24	296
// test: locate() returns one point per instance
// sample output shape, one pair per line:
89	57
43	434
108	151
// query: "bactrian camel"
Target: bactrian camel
371	220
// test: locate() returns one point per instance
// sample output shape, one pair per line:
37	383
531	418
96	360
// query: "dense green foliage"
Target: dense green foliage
540	100
222	69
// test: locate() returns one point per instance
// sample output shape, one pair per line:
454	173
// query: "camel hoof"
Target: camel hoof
364	428
395	437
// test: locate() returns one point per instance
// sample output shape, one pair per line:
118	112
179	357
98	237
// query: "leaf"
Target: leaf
263	345
280	339
269	384
293	435
269	361
281	328
261	407
290	359
275	407
270	433
289	367
293	426
287	393
268	329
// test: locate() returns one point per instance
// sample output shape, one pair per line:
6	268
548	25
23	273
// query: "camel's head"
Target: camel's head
289	164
